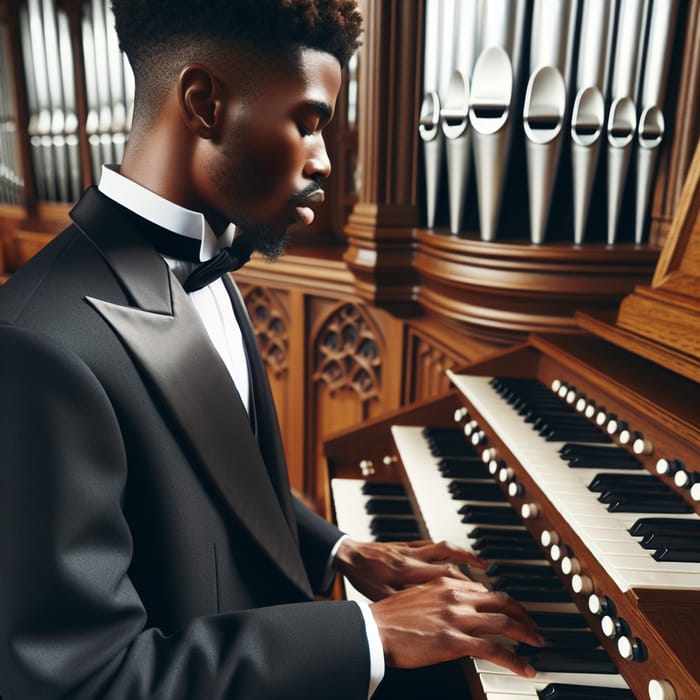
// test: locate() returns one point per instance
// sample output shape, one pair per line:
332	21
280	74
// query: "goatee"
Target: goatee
269	243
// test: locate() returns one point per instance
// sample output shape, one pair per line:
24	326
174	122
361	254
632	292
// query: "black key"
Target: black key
530	570
555	620
377	488
485	531
572	449
611	461
448	442
467	468
505	543
538	595
585	463
489	515
594	661
555	419
657	540
398	537
438	432
666	554
512	552
380	525
568	691
570	639
387	506
623	505
599	457
443	450
602	482
476	491
645	526
457	439
562	434
486	535
587	646
513	581
641	497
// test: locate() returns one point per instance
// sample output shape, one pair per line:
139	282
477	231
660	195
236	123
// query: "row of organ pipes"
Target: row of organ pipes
11	182
585	75
50	87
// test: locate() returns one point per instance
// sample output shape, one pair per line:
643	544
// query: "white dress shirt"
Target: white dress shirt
213	304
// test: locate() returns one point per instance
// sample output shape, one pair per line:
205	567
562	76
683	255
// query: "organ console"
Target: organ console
572	463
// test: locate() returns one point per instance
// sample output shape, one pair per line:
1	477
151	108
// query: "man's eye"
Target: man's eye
307	129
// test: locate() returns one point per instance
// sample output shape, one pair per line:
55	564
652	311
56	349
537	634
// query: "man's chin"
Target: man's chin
268	242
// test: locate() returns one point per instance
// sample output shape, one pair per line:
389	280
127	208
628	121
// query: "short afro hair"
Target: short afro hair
144	27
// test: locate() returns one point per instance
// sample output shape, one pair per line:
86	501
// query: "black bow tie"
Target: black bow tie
226	260
184	248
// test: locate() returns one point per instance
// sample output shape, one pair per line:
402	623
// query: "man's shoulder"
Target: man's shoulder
60	265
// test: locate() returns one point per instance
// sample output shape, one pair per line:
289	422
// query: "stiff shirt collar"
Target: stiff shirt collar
154	208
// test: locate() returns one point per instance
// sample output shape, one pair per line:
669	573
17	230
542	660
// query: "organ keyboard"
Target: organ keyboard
642	612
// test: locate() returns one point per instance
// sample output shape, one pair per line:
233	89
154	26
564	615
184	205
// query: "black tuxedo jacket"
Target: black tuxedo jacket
150	544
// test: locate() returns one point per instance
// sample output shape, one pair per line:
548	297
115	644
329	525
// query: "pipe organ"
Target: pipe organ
514	87
572	464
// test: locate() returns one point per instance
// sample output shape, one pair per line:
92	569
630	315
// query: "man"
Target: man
150	544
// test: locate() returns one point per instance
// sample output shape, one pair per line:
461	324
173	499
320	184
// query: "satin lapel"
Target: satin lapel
269	437
167	340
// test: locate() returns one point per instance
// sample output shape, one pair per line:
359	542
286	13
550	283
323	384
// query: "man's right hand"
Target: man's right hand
447	619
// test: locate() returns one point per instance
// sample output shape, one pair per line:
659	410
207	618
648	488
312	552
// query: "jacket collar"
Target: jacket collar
167	340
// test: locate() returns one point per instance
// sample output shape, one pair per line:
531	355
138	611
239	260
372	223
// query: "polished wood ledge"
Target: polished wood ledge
505	290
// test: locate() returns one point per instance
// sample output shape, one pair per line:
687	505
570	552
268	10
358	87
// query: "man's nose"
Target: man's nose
318	165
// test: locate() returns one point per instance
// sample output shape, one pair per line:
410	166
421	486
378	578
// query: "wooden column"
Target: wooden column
380	230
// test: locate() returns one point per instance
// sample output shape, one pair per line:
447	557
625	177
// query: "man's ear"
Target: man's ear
200	100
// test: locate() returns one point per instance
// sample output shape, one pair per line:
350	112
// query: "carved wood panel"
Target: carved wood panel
269	314
347	355
270	321
347	358
426	363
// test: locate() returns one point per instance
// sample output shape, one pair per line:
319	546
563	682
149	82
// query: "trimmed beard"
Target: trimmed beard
270	244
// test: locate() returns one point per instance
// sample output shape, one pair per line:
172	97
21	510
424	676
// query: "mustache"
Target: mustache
312	193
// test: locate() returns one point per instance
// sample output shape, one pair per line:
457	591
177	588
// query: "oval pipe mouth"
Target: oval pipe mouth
622	122
587	117
455	112
429	119
491	91
652	126
545	102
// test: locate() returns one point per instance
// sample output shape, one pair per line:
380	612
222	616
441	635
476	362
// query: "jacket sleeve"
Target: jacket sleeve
317	537
71	623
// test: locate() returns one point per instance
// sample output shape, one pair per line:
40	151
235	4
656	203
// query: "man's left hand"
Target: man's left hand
378	569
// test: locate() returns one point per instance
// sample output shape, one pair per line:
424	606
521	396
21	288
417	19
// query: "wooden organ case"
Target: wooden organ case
633	380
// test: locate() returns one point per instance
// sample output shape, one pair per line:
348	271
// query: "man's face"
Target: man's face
272	156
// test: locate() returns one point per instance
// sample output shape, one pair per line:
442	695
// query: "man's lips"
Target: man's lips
305	214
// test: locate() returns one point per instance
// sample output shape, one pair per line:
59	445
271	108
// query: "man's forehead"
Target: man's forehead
319	68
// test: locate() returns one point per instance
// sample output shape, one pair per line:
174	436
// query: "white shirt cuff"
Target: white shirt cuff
376	650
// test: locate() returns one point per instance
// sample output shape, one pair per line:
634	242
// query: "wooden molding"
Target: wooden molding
503	291
667	312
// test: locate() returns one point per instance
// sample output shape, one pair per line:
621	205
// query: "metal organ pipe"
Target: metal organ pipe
596	68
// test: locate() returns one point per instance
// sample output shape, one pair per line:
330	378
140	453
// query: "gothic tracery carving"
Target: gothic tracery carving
347	355
270	325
